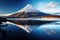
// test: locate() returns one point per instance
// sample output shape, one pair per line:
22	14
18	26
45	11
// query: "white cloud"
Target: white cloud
51	5
50	8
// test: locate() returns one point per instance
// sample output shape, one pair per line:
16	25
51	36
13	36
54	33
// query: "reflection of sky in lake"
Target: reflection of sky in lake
46	31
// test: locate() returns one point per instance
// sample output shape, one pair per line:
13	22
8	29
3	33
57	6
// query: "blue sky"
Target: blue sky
10	6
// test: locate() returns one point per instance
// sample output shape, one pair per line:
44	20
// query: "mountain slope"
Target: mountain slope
28	11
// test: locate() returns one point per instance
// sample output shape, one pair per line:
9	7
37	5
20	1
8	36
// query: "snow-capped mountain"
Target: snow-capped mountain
28	11
28	8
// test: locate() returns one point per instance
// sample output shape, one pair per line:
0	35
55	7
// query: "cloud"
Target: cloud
50	8
51	5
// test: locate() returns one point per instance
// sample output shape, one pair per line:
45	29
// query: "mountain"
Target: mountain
28	11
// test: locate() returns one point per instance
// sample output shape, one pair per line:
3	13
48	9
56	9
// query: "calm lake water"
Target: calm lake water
49	31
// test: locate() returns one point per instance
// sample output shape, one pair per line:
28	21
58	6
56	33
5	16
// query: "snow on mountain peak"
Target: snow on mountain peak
28	8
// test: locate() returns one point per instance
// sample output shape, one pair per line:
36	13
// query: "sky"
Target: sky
11	6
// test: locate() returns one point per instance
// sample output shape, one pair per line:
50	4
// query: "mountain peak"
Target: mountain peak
28	8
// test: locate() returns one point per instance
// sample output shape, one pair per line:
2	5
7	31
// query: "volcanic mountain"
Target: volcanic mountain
28	11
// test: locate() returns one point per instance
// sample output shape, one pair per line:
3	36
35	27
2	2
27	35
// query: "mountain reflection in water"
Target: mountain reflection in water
47	31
